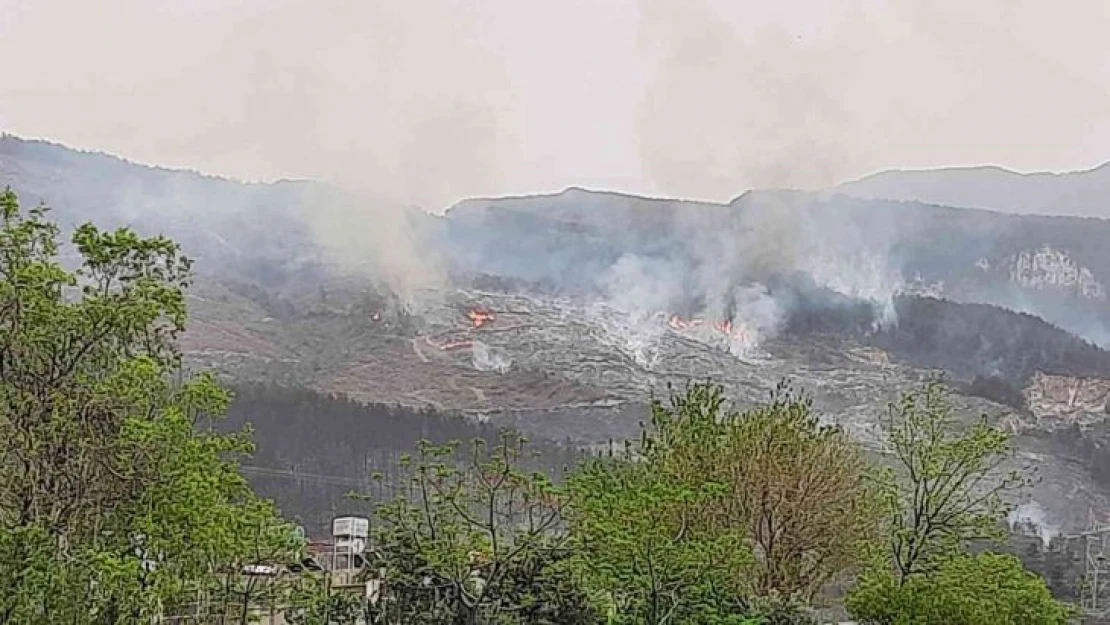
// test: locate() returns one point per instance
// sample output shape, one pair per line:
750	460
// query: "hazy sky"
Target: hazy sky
431	100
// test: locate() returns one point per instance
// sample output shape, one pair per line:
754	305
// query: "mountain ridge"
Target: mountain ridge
892	183
596	303
1081	193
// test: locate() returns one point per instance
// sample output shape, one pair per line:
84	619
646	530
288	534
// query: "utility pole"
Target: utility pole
1094	539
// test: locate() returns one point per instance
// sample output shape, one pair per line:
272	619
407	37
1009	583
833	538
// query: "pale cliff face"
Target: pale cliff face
1057	400
1049	268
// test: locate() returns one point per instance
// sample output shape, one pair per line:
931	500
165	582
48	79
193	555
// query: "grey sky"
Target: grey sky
431	100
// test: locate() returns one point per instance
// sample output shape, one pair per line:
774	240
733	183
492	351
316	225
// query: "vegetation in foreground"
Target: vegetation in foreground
120	502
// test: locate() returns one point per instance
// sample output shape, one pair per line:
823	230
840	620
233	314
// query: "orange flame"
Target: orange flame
479	317
678	323
738	331
741	332
448	345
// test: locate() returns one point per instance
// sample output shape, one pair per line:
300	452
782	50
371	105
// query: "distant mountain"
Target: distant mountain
1054	267
562	313
1080	193
581	241
249	231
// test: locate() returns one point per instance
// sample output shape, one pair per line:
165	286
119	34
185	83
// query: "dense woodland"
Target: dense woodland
311	449
991	351
980	339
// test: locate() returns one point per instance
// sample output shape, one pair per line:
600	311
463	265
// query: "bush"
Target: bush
986	589
777	610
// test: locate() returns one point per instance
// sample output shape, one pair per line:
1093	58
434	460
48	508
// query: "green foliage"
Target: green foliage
315	603
474	542
985	589
121	502
778	610
715	507
797	488
951	487
641	550
117	499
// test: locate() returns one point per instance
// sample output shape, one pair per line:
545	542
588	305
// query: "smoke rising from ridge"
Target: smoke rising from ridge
429	101
726	274
372	237
424	102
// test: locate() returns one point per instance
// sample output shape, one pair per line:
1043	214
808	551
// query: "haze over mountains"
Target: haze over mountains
1078	193
595	300
643	253
640	254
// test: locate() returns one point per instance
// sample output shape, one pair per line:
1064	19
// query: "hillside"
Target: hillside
1053	267
1080	193
313	449
563	314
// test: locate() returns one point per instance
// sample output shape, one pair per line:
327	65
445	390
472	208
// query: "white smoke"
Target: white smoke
758	316
642	285
635	332
721	262
860	274
490	359
1030	517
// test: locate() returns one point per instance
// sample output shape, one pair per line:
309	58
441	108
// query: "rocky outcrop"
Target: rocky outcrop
1049	268
1060	401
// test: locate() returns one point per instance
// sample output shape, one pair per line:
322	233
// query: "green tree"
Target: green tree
118	499
251	572
643	553
714	509
800	490
312	601
949	486
984	589
473	539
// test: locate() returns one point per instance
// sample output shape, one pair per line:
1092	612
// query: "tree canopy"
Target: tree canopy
118	501
121	501
948	488
984	589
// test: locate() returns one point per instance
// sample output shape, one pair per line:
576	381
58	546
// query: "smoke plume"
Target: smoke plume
750	265
487	358
1031	517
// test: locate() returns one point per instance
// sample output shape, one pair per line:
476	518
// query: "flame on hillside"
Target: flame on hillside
479	317
678	323
725	326
449	345
737	331
741	338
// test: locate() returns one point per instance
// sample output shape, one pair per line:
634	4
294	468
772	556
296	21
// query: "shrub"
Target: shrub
985	589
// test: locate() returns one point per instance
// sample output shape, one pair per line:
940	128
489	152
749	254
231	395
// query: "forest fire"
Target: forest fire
736	332
479	317
678	323
739	332
742	334
449	345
